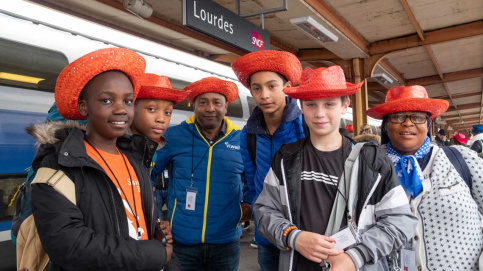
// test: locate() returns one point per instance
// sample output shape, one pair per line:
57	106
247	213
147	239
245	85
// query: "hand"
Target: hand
154	189
166	228
316	247
169	252
247	212
341	262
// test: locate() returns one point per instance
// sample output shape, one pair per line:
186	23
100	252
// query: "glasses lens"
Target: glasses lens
418	119
397	118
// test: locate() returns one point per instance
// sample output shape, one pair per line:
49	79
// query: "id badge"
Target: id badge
191	198
408	259
344	238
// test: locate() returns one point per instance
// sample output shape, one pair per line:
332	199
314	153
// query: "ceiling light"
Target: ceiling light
20	78
383	78
313	28
138	8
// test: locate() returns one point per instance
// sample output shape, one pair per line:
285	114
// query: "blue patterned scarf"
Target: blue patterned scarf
407	168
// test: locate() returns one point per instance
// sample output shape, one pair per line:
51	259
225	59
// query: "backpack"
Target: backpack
30	253
460	165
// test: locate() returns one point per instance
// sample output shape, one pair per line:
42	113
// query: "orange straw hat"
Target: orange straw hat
322	83
158	87
77	74
212	84
411	98
284	63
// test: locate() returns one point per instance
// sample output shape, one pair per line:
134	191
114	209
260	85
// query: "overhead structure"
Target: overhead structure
437	44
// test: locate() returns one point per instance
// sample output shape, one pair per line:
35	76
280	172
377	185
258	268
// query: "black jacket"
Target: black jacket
92	235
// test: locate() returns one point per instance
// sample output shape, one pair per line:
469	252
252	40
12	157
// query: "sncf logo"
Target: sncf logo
257	40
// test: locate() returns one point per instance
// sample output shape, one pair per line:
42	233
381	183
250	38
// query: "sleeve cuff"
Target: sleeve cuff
292	237
359	255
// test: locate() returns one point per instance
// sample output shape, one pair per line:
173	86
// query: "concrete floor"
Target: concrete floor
248	254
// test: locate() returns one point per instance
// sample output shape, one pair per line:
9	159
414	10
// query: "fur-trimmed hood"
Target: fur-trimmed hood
367	138
45	133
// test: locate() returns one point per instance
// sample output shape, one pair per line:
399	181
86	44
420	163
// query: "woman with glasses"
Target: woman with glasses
449	233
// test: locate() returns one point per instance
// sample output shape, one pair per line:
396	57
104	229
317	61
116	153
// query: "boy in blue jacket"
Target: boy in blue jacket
276	120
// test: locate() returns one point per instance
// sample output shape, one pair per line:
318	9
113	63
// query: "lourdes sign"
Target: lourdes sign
214	20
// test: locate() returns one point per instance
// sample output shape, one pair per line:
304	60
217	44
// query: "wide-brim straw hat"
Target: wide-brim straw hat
408	98
212	84
284	63
322	83
461	138
158	87
76	75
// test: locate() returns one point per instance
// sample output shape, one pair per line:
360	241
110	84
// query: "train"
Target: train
36	43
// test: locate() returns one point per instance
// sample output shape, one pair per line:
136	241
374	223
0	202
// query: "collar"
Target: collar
256	122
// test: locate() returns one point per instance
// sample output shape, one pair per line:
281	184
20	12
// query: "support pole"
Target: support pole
359	99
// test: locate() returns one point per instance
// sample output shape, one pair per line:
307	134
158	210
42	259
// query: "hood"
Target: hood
45	133
367	138
255	124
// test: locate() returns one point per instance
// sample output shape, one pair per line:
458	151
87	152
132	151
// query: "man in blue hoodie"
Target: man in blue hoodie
205	187
276	120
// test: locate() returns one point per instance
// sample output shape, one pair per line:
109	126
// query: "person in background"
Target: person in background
113	224
205	186
477	141
300	203
440	139
459	139
449	232
276	120
366	135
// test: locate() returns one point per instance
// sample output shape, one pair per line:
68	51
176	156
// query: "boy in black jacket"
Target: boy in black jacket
112	226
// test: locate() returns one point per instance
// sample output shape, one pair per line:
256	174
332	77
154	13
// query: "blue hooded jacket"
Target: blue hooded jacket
290	130
216	178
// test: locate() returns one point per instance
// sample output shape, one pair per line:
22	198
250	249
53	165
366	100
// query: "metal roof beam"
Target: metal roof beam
448	77
432	37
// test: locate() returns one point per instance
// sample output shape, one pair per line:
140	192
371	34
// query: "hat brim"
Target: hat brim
152	92
311	92
77	74
435	107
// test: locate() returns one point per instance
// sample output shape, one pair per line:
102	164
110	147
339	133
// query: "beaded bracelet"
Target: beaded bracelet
288	230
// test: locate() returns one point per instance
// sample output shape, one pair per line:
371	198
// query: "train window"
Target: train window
234	109
8	188
251	104
27	66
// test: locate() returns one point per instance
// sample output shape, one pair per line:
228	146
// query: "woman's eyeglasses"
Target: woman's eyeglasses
400	118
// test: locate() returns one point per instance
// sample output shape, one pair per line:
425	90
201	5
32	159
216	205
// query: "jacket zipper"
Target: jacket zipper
114	207
288	208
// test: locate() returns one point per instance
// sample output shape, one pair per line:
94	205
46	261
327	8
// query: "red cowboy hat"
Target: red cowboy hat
411	98
322	83
461	138
349	128
212	84
158	87
284	63
76	75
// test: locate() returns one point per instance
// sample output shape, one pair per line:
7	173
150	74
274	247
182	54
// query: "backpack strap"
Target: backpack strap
339	209
252	147
57	180
460	165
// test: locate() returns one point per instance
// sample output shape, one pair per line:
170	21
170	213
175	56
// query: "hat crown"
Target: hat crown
153	80
402	92
326	78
